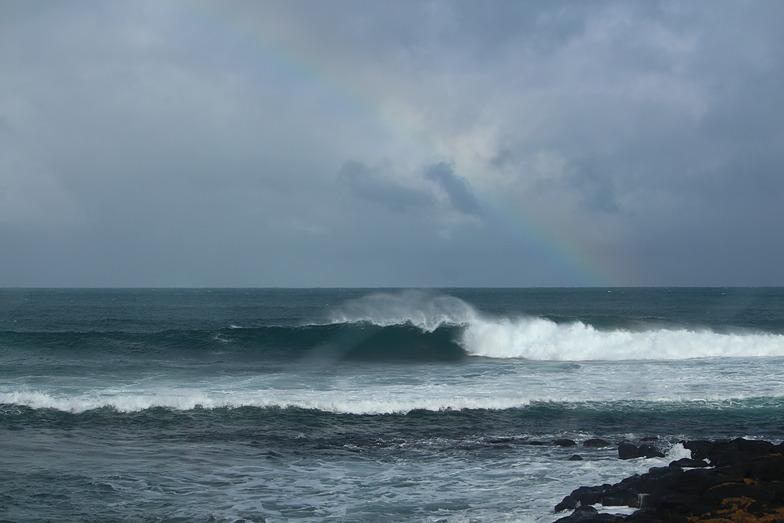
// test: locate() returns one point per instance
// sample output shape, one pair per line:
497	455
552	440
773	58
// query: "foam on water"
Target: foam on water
535	338
542	339
595	393
340	402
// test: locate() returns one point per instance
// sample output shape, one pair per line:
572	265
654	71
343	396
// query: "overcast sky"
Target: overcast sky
378	143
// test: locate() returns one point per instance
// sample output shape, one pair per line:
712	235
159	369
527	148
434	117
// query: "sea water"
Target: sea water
365	404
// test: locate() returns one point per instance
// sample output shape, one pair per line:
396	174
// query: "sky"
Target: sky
369	143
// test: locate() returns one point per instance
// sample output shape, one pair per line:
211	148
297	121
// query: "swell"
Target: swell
414	326
361	341
756	416
529	338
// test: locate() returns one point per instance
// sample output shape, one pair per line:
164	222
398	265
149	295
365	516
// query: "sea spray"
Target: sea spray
426	310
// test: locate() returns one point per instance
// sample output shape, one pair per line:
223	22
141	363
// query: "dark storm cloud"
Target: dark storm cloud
389	143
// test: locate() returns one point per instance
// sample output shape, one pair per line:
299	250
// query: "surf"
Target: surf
536	339
542	339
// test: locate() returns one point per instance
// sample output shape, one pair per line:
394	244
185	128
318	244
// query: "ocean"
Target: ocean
365	405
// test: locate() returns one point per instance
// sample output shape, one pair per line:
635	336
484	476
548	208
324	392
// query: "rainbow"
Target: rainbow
562	255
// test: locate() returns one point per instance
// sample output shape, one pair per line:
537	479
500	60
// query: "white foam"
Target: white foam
121	402
340	403
374	400
542	339
676	452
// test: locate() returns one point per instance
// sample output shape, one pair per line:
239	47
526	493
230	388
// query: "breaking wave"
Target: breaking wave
405	327
541	339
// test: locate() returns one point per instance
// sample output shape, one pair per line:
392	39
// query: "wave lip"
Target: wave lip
424	310
540	339
543	339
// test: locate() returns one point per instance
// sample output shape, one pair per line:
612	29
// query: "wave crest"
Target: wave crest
344	402
425	310
543	339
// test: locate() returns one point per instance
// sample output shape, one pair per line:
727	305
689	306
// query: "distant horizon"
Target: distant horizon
407	287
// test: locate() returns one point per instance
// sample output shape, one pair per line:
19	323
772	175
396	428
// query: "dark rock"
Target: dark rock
650	438
588	514
689	463
749	488
628	450
564	442
747	484
537	443
582	496
586	510
596	442
502	440
622	499
671	506
579	514
737	451
650	451
576	457
699	448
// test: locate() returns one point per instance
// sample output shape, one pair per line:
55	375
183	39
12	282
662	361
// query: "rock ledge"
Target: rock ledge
743	482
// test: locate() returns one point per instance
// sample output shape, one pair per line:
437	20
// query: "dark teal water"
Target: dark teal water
363	404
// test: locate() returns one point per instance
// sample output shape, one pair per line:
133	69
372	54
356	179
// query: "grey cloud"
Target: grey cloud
375	185
597	188
456	188
153	143
379	185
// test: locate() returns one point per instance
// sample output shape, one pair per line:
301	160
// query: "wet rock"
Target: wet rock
689	463
495	441
588	514
737	451
746	484
628	450
596	442
564	442
575	457
582	496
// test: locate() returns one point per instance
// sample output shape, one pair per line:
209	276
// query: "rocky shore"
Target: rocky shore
724	481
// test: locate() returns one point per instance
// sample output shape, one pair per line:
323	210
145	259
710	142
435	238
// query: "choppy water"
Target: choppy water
364	405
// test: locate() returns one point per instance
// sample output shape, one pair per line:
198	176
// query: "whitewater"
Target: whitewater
364	404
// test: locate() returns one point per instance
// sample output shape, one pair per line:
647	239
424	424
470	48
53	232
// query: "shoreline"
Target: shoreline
724	481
